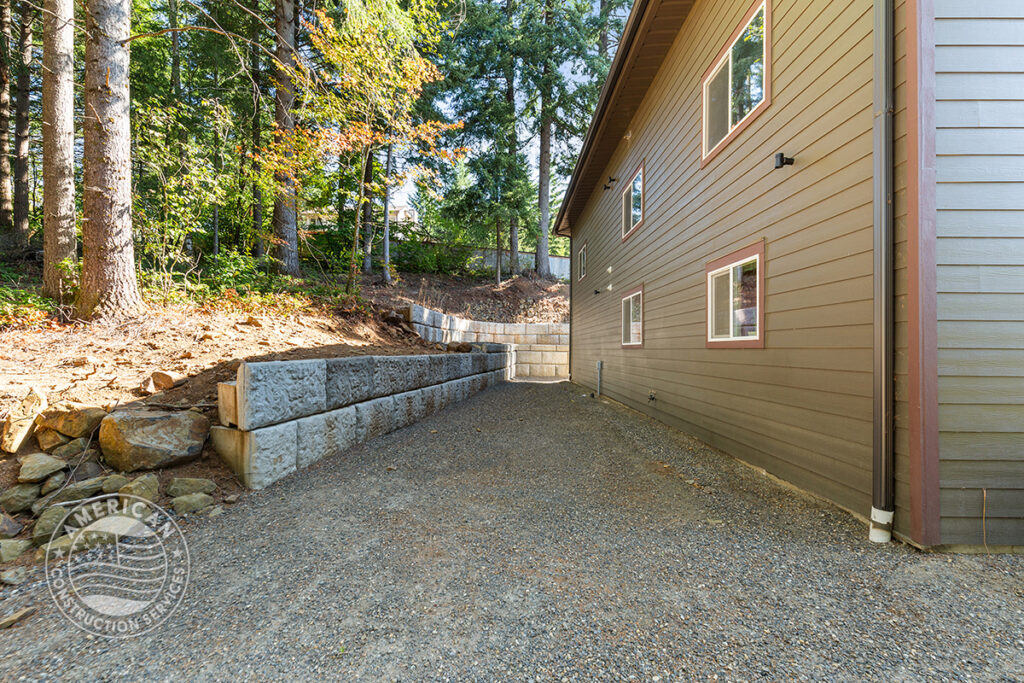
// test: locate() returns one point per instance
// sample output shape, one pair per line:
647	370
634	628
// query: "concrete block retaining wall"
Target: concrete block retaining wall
279	416
542	349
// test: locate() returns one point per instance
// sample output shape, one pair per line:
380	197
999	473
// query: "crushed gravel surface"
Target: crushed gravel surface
534	533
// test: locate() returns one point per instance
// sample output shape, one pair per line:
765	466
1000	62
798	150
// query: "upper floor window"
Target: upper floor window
581	262
737	85
633	203
736	298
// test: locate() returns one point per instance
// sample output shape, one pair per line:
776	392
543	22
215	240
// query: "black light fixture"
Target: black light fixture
612	180
782	160
607	187
597	291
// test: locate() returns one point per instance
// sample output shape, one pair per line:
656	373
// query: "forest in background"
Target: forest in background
162	148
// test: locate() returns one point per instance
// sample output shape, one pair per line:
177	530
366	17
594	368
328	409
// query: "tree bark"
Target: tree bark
286	201
602	36
109	286
387	217
59	241
21	122
542	263
513	148
6	196
497	250
367	217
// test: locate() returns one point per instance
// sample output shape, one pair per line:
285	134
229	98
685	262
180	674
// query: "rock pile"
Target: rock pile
86	451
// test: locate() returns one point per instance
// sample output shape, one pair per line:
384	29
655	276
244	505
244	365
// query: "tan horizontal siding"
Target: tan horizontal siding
980	254
801	407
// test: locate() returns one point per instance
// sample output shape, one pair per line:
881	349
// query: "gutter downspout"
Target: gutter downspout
882	494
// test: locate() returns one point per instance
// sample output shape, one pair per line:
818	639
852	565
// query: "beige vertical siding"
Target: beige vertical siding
801	407
980	254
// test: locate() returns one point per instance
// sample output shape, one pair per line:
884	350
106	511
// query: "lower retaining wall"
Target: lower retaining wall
542	349
291	414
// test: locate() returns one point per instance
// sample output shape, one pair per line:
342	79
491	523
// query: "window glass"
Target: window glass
637	206
747	57
632	319
718	107
582	261
720	302
744	287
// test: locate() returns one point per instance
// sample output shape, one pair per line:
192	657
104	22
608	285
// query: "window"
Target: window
737	85
633	203
633	318
736	299
581	262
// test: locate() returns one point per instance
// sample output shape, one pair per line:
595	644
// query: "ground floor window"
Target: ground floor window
735	296
633	318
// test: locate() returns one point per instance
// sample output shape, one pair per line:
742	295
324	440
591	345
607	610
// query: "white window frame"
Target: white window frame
727	59
581	263
756	258
627	202
622	322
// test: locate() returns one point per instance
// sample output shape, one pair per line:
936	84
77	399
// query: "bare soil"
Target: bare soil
518	300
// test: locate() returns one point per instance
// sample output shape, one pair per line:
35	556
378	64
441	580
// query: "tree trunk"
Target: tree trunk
367	217
257	193
497	250
59	241
513	149
541	262
544	195
6	196
109	286
602	37
172	21
387	217
350	284
21	123
286	201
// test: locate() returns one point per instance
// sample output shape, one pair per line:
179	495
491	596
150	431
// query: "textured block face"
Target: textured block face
260	457
377	415
277	391
390	375
349	380
419	371
436	365
327	434
409	407
479	362
459	365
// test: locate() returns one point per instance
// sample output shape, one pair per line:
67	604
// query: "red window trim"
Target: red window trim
765	103
643	317
756	249
643	200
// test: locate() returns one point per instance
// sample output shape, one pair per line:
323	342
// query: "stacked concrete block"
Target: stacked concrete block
290	414
544	347
277	391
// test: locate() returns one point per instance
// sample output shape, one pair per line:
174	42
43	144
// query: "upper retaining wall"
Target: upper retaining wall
542	349
291	414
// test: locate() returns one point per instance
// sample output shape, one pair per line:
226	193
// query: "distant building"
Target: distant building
403	213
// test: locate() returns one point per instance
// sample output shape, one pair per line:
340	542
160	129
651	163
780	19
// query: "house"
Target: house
798	234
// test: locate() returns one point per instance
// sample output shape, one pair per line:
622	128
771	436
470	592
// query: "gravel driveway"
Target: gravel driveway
535	533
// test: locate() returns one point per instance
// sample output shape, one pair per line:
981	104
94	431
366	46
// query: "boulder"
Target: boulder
147	487
53	482
71	448
115	482
38	466
48	439
146	439
191	503
166	379
9	527
52	517
88	468
12	548
72	419
71	492
19	497
21	421
182	486
14	577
